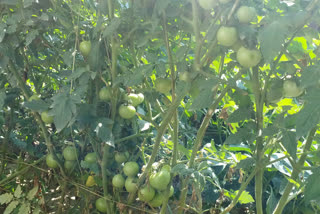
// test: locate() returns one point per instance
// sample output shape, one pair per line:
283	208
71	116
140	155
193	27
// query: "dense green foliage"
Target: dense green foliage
159	106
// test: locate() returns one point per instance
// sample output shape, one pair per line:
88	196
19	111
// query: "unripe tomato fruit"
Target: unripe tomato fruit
208	4
160	180
101	205
131	169
146	193
135	101
246	14
70	164
105	94
51	162
157	200
34	97
140	98
118	181
127	112
290	89
163	85
90	181
166	168
91	157
247	57
85	48
46	118
227	36
70	153
121	157
131	184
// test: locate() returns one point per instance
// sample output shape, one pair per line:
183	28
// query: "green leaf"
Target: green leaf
310	76
312	189
31	36
18	192
11	207
103	131
246	164
271	39
9	2
136	77
245	197
36	105
271	202
242	113
24	208
309	116
93	167
32	193
3	27
290	143
64	108
27	3
2	98
5	198
112	27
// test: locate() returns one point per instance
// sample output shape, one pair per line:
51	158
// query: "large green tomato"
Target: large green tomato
91	157
146	193
69	165
131	169
247	57
121	157
134	98
157	200
227	36
131	184
246	14
163	85
118	181
140	98
85	48
105	94
208	4
290	89
160	180
70	153
127	112
51	162
46	118
101	205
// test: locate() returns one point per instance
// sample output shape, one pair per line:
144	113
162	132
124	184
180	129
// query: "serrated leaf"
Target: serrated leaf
290	143
11	207
245	197
309	116
5	198
37	210
3	27
242	135
246	164
32	193
17	192
312	189
112	27
310	77
24	208
31	36
242	113
271	39
103	131
64	108
136	77
93	167
77	73
37	105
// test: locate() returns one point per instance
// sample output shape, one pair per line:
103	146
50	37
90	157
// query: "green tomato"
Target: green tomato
163	85
208	4
146	193
157	200
166	168
101	205
227	36
70	164
246	14
160	180
127	112
135	101
105	94
46	118
51	162
121	157
140	98
34	97
131	184
85	48
70	153
91	157
131	169
118	181
248	58
290	89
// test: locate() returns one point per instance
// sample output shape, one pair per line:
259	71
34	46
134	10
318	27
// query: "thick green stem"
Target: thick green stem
295	174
